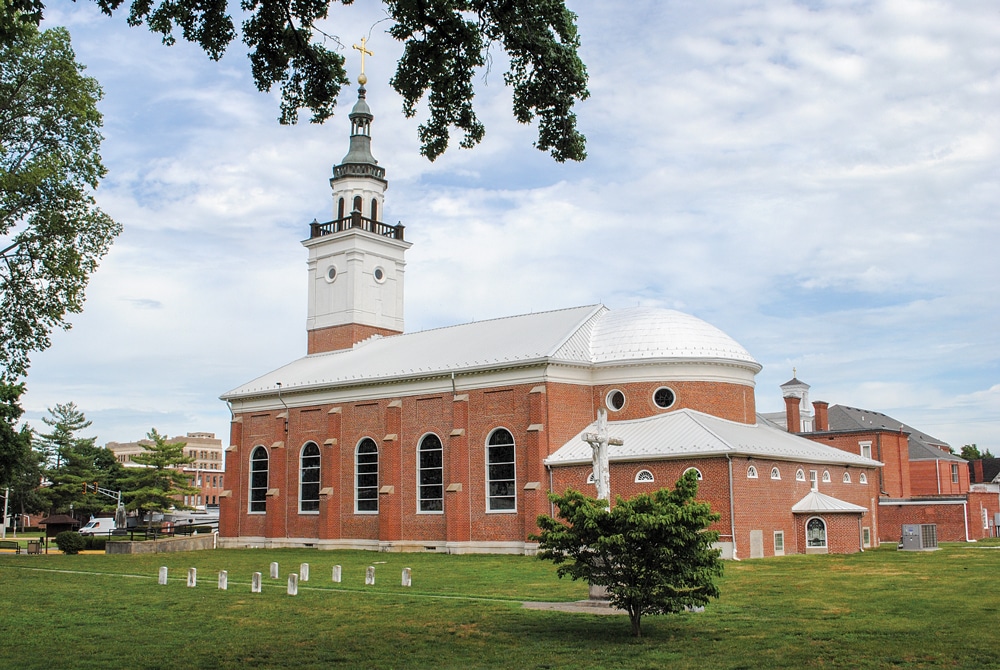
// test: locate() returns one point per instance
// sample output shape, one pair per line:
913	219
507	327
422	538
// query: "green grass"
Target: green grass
880	609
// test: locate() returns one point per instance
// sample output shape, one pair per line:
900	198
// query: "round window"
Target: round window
664	397
615	400
379	275
331	273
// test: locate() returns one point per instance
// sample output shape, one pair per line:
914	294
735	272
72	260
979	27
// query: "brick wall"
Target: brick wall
950	519
334	338
735	402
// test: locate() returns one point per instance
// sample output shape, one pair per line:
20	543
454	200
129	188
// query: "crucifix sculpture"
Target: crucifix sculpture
362	78
599	442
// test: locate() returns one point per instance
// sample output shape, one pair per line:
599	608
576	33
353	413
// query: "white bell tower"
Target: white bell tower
356	262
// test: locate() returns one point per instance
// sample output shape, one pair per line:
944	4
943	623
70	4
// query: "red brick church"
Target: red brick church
450	439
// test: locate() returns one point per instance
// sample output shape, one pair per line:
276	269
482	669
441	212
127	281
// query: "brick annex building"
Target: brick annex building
450	439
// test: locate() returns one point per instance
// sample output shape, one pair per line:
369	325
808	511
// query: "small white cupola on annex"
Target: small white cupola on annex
356	261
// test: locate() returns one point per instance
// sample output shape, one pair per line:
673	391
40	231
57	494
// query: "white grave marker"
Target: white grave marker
370	575
293	584
192	577
304	572
336	573
255	583
406	577
163	575
223	580
274	571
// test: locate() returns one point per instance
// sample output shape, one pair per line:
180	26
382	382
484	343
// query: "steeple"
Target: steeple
356	260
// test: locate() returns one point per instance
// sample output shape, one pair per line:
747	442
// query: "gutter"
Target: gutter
732	507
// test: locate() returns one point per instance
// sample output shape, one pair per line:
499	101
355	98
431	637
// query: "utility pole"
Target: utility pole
6	497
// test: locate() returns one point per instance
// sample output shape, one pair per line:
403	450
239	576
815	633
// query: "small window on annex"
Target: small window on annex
847	477
954	473
866	537
826	477
696	470
816	533
366	477
500	474
309	478
645	476
258	480
751	472
775	473
431	475
779	543
862	478
866	449
664	397
800	475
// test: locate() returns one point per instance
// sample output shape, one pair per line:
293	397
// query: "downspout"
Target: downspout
881	474
965	513
285	503
552	505
937	470
861	535
732	507
239	515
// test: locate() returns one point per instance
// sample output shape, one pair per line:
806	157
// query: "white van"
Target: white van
100	526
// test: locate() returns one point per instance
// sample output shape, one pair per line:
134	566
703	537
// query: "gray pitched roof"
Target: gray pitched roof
591	335
921	445
689	433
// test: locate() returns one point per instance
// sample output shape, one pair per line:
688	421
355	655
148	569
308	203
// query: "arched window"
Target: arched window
357	204
800	475
431	474
826	476
374	209
340	208
366	477
645	476
751	472
309	462
847	477
590	478
699	472
862	478
816	533
775	473
500	474
258	480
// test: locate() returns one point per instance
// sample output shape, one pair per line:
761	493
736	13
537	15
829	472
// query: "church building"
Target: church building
450	439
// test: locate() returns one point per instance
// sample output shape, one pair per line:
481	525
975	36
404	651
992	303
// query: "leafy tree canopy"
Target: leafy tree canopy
653	552
970	452
51	233
15	443
153	487
445	43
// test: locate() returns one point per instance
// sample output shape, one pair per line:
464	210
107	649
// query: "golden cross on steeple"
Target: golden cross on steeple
362	78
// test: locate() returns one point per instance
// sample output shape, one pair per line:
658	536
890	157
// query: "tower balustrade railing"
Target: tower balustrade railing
355	220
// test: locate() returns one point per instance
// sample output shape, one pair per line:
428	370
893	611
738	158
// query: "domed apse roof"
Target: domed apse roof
645	333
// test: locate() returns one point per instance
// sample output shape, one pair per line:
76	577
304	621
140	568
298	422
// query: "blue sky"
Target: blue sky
820	180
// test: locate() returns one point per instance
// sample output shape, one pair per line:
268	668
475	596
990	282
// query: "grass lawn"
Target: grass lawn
880	609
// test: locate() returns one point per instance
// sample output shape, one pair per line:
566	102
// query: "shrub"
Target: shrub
70	542
97	543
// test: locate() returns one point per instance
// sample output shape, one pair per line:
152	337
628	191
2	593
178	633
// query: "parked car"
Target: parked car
98	526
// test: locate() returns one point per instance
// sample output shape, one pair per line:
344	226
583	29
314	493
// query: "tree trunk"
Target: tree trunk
635	616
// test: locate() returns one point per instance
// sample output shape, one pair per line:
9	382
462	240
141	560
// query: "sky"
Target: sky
820	180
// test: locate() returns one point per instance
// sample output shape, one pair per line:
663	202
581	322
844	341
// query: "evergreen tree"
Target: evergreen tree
158	485
653	552
15	443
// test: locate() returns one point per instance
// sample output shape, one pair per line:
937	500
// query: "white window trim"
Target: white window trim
779	534
775	473
847	478
419	499
751	472
800	475
696	470
250	487
826	533
826	477
486	462
378	466
865	446
643	481
301	454
863	478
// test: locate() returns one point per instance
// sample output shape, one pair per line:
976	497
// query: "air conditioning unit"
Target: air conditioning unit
919	537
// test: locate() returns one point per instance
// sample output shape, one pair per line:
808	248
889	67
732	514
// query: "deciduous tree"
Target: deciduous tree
653	552
446	42
52	234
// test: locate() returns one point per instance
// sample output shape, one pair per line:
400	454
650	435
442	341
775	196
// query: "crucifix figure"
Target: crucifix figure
362	78
599	442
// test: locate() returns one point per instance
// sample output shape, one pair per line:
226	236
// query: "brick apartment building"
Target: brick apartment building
206	473
449	439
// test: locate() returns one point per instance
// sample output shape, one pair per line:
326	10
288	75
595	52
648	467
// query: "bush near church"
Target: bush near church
70	542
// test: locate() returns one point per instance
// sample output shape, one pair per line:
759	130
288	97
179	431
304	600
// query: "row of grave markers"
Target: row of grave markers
293	578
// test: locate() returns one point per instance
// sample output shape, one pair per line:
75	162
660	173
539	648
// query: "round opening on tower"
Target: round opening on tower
664	397
615	400
331	273
379	275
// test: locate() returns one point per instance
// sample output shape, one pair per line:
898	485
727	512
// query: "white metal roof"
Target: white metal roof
822	503
687	433
588	335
